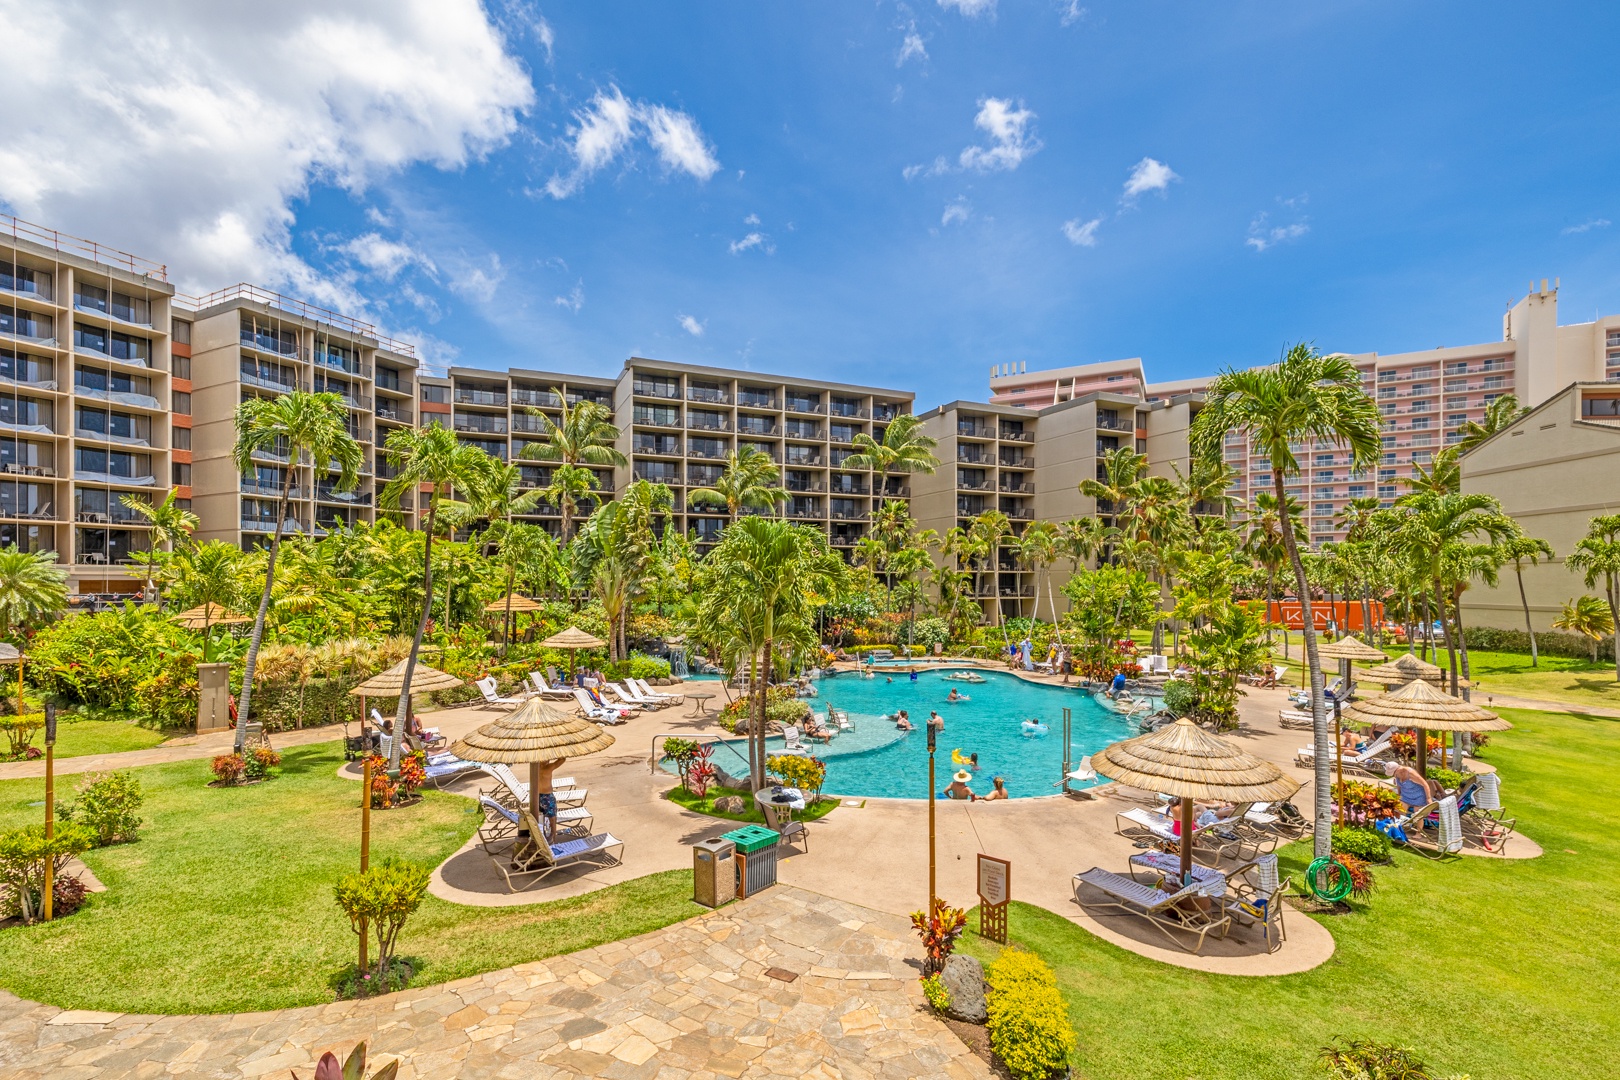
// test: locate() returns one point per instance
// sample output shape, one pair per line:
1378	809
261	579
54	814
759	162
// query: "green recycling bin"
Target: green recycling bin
756	858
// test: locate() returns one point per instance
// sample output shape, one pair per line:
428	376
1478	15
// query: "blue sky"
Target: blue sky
933	187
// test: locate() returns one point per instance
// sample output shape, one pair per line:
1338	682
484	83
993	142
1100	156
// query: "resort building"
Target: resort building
249	342
89	386
1553	471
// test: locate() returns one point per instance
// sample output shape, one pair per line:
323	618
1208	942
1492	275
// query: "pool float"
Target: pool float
965	676
958	699
1033	729
959	758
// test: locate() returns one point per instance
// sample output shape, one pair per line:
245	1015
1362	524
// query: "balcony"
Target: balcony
398	413
539	399
485	425
973	431
901	492
657	476
1117	423
1020	515
884	413
668	447
850	515
339	362
708	395
1016	489
855	489
973	485
1017	436
273	383
844	541
810	486
259	487
711	453
973	459
643	418
1017	463
24	469
492	398
763	431
756	401
805	512
694	423
804	405
328	493
268	343
668	391
849	412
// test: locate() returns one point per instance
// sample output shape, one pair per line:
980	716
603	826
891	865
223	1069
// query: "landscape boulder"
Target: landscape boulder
730	804
963	980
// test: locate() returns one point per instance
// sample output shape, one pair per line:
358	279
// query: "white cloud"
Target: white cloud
1148	175
190	144
1586	226
574	300
1011	137
1263	235
384	257
1070	12
938	167
751	219
546	36
1082	233
958	209
690	325
478	280
422	302
605	128
753	240
911	46
971	8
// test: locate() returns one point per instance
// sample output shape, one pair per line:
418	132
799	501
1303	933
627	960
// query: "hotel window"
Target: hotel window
180	330
181	474
182	438
1492	382
1387	491
1601	407
182	403
437	395
1359	491
180	366
1456	420
1488	398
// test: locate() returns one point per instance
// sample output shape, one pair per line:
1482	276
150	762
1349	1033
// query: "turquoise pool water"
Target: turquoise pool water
879	761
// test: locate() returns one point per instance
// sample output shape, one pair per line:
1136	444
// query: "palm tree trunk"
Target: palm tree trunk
402	710
1462	642
1323	789
1614	617
252	661
506	621
1524	602
1445	631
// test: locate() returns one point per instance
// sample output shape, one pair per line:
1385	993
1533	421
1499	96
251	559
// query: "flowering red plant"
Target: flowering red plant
413	771
939	930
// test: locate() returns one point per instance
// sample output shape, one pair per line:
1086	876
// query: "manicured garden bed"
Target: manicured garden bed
225	903
1497	969
705	805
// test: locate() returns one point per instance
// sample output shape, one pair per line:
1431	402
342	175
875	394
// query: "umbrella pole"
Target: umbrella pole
1338	749
1186	840
1423	752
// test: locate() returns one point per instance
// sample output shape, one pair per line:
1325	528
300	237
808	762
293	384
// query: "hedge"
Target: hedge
1029	1023
1551	643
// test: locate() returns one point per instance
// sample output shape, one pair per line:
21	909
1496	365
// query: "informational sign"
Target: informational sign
995	889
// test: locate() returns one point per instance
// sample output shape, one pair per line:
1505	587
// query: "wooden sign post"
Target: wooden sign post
995	889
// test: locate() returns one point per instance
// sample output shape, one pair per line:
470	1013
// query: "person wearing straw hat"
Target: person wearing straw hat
958	788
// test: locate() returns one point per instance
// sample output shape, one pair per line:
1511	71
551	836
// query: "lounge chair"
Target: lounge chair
432	733
1482	809
1155	664
546	690
1172	913
502	823
839	719
538	857
790	740
517	792
815	729
625	699
1295	718
602	714
486	686
1083	773
655	695
1211	843
1408	829
440	767
1254	897
1367	760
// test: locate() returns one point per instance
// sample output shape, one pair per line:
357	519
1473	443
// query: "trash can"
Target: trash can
714	877
756	858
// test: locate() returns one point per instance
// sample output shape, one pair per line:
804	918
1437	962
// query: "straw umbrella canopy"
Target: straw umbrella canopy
1422	707
538	734
1184	760
210	614
424	680
573	639
519	602
1403	669
1348	649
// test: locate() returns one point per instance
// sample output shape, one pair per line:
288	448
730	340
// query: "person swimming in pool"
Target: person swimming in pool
903	721
954	696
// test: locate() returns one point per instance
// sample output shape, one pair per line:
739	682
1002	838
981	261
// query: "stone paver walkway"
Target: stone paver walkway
695	1001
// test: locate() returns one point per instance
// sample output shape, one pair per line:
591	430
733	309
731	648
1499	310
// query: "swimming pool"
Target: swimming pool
879	761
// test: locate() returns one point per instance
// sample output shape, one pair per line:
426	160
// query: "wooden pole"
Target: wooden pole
932	869
1423	752
1338	749
1186	841
365	844
48	900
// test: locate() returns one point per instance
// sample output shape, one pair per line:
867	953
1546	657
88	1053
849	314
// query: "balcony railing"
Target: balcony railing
1118	423
668	448
800	405
647	419
543	399
884	413
266	382
854	490
710	453
269	343
810	461
259	487
802	512
351	498
1017	489
397	413
849	412
973	459
1018	463
850	515
973	485
695	423
1017	436
657	476
1020	515
657	390
844	541
480	397
756	401
487	425
812	486
973	431
708	395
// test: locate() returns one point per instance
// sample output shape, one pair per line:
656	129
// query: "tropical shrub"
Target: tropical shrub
939	930
1179	697
106	806
228	768
1360	871
382	898
800	771
383	788
127	660
412	771
928	632
257	761
25	855
1548	643
636	666
327	1068
939	998
1369	845
1366	803
1362	1059
700	772
1404	743
782	707
1029	1024
20	732
680	751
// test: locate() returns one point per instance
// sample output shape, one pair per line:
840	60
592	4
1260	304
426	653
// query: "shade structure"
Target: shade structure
519	602
9	653
573	638
1404	669
533	733
388	684
1420	705
1351	648
209	614
1184	760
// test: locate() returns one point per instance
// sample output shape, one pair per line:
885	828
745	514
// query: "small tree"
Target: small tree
383	897
1587	616
106	805
25	854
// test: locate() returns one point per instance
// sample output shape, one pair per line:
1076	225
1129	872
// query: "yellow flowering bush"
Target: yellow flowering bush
1029	1024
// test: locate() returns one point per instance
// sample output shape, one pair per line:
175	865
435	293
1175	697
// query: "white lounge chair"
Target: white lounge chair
1295	718
486	686
602	714
537	857
791	743
517	792
502	823
839	719
655	695
1083	773
1186	911
623	698
1450	838
440	767
1254	897
546	690
1359	760
1154	664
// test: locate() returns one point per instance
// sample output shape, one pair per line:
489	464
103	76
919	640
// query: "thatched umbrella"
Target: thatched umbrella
538	734
1420	706
206	616
1403	669
1184	760
1347	649
519	604
424	680
573	639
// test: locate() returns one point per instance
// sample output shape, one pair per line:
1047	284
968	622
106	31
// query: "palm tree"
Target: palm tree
171	523
1121	468
1263	542
1597	556
570	485
988	530
434	457
617	547
1519	549
903	449
208	575
1588	617
503	497
750	480
1442	477
1038	549
762	576
32	588
584	436
1505	411
1356	519
293	426
1305	397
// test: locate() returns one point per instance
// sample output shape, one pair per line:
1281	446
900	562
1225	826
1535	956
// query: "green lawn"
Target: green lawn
1556	678
225	903
77	738
753	814
1502	970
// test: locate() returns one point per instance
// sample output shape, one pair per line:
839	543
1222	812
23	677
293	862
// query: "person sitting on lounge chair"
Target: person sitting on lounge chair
1414	789
959	789
1268	677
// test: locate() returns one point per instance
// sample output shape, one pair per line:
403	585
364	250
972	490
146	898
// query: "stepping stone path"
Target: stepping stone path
704	999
